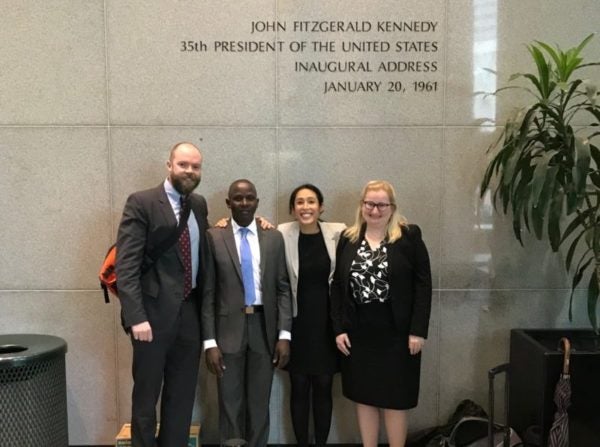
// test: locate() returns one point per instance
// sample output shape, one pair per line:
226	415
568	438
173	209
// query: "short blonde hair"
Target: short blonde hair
394	225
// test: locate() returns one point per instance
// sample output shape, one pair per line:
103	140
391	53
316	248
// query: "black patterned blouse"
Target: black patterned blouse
369	274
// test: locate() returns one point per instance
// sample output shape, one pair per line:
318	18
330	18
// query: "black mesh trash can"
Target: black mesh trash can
33	391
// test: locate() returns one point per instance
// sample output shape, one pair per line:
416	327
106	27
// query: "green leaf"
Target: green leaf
551	51
576	222
554	216
515	76
592	300
539	175
577	278
537	83
572	64
509	169
583	164
514	87
595	152
526	211
595	178
571	90
543	71
589	64
520	204
584	42
581	268
537	219
571	304
517	229
572	248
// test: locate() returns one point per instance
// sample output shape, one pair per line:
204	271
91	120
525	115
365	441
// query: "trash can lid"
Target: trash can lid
23	349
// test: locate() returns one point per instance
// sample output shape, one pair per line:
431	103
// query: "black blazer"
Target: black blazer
156	296
410	284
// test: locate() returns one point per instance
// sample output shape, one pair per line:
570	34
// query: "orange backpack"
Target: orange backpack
108	273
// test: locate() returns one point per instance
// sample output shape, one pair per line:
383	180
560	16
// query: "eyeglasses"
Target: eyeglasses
380	206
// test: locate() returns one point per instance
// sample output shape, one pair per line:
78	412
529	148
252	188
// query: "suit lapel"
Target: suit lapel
263	248
351	254
165	206
229	241
168	214
292	235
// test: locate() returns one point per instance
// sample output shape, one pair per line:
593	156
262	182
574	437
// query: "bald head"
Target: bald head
185	147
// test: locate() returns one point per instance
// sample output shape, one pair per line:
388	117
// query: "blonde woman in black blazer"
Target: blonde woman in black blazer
310	256
381	301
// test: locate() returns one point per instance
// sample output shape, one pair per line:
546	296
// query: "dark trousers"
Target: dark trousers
245	388
169	362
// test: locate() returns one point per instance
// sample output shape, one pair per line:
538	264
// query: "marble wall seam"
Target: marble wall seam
438	336
116	311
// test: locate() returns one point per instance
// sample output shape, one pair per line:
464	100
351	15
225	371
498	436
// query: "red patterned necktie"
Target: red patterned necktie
186	253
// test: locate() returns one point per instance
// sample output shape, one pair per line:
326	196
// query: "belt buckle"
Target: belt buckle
248	310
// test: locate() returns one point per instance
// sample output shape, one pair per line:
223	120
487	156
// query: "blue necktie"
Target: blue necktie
247	270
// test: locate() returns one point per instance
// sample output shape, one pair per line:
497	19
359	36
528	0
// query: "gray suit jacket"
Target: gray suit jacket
223	294
156	296
291	232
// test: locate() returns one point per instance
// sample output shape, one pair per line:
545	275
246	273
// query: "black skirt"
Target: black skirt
380	371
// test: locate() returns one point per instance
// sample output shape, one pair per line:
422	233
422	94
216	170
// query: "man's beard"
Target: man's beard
185	183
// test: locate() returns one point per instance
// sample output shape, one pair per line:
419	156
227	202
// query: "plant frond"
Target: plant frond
572	248
554	215
592	300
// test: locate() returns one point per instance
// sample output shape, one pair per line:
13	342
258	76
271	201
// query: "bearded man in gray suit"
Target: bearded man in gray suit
246	316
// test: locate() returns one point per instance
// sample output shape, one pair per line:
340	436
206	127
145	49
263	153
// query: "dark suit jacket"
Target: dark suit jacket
410	284
156	296
222	317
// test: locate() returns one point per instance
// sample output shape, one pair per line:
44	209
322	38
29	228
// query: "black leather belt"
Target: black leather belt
249	310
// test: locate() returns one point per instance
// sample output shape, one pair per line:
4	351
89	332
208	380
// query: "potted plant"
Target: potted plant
546	169
547	166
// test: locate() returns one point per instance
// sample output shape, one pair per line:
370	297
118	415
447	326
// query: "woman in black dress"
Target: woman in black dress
381	301
310	255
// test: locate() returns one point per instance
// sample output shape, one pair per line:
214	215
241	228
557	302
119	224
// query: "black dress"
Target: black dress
313	349
379	371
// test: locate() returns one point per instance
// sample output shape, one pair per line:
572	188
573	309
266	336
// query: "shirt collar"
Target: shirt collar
252	227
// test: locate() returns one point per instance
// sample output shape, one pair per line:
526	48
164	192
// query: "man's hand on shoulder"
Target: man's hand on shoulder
142	331
282	353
